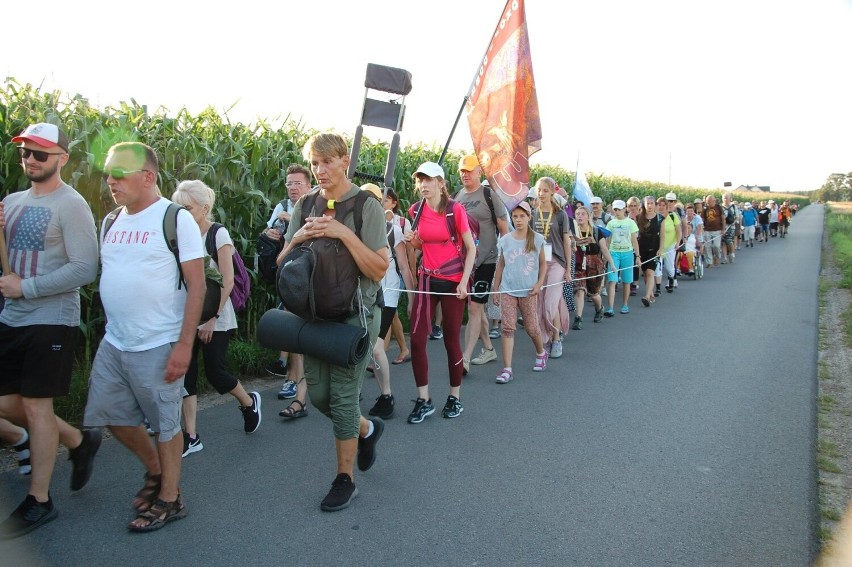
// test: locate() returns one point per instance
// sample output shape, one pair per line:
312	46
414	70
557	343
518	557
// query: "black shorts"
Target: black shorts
483	277
387	320
37	360
649	260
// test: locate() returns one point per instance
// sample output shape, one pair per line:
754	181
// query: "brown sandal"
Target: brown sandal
146	496
158	515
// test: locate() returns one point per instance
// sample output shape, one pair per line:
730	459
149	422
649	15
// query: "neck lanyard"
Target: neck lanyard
545	224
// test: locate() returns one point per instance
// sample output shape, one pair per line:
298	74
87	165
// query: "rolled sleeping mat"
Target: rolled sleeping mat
337	343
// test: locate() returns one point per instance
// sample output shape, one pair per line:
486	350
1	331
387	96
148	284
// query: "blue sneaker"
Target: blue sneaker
288	390
436	334
625	309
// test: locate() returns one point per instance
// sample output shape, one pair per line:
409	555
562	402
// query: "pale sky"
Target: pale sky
748	91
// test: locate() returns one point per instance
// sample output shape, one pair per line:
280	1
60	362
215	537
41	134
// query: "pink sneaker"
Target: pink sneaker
540	362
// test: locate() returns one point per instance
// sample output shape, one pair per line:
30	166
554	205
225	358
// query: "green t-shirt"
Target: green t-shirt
669	228
621	230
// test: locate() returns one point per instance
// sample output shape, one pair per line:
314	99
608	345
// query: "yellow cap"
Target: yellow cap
468	163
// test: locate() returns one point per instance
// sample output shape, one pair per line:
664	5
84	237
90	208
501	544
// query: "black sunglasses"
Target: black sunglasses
121	173
39	155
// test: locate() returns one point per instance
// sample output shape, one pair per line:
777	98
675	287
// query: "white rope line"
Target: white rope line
639	265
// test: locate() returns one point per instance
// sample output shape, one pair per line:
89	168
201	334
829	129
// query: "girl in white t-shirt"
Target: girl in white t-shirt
519	275
213	335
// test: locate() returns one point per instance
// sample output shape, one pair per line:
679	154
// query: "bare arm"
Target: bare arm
405	269
193	275
469	259
502	226
226	268
542	273
605	251
498	278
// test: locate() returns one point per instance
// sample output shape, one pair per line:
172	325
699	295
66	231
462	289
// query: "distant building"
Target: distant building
764	188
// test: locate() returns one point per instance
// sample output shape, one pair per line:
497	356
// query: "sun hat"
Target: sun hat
594	200
374	189
618	204
671	196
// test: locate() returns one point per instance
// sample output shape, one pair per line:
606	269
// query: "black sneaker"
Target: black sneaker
343	490
383	407
251	415
191	445
83	458
22	455
436	333
452	408
367	445
27	517
277	368
422	410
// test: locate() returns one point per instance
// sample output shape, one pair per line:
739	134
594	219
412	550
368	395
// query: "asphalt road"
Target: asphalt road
683	434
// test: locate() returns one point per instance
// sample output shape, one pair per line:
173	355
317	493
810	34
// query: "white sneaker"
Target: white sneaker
556	349
485	355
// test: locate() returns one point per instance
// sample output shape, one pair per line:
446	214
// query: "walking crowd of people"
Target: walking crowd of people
534	265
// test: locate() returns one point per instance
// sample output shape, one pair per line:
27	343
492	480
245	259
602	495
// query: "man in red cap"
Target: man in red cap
53	251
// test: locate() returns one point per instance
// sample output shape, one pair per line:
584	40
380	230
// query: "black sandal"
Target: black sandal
158	515
146	496
292	413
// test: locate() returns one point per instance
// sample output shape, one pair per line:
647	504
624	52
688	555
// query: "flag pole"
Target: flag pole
464	101
453	130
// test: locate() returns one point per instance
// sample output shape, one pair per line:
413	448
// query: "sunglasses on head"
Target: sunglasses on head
120	172
39	155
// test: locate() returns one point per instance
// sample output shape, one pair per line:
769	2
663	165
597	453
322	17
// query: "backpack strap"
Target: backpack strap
170	234
390	226
309	202
109	220
210	241
489	200
450	215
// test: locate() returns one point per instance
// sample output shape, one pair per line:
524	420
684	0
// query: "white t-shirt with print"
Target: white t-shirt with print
139	279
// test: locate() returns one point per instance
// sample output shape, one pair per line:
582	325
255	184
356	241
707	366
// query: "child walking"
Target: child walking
520	273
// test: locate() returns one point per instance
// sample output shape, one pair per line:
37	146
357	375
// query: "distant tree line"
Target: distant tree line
838	187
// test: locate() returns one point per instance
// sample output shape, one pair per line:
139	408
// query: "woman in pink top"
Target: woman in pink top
444	275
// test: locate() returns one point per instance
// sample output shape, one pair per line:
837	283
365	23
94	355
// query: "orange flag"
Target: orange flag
502	108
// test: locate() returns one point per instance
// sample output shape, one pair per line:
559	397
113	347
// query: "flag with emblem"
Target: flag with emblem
502	108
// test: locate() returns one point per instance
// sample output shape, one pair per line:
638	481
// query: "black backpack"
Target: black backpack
730	215
267	252
319	279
